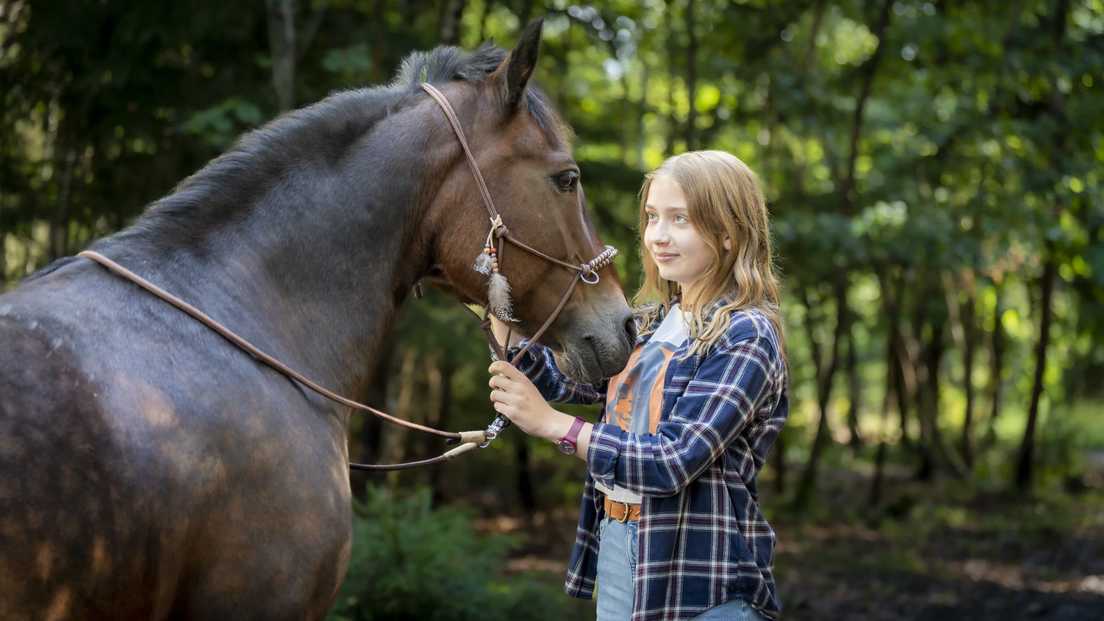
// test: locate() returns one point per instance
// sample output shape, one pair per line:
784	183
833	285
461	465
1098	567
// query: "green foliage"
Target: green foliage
219	125
975	155
410	562
348	62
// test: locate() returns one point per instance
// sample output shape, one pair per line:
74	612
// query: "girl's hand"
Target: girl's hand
515	397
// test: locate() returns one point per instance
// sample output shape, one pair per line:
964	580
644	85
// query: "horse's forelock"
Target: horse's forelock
447	63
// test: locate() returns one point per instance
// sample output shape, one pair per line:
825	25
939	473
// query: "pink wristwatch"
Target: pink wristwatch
570	442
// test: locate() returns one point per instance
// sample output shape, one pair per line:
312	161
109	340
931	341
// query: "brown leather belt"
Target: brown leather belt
622	511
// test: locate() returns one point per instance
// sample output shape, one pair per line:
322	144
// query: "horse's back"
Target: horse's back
135	483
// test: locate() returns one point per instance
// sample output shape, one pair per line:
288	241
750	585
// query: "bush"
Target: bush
410	562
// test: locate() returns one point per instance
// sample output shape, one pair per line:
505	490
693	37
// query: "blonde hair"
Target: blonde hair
724	201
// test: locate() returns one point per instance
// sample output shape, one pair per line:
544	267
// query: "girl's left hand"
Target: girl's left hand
518	399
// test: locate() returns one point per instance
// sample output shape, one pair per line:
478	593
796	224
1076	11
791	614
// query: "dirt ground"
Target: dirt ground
924	554
856	572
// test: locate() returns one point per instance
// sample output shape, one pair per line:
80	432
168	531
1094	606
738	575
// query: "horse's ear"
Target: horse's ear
521	62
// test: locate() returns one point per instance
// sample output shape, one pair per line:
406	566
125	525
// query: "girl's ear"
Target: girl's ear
728	244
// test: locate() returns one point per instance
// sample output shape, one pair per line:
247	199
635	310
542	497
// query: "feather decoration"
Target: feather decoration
483	263
498	298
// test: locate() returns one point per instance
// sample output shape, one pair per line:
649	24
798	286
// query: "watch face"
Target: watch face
567	448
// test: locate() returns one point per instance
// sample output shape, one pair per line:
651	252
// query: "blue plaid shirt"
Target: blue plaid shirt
703	540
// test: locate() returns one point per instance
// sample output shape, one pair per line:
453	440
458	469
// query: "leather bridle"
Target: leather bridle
468	440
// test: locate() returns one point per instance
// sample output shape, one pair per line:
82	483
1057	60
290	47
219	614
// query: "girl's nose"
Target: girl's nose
659	234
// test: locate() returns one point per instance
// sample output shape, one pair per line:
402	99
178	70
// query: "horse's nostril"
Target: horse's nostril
630	330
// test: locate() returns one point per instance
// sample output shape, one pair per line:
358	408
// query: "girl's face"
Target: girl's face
677	248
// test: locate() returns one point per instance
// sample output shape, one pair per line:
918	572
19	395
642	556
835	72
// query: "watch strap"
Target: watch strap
570	442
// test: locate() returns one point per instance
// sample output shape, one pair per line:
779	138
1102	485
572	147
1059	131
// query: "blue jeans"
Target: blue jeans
732	610
616	567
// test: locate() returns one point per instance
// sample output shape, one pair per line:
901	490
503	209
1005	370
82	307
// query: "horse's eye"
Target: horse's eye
566	181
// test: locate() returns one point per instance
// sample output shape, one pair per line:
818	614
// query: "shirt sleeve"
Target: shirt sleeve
717	404
539	365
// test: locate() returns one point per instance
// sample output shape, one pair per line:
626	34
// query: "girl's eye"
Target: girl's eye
566	181
681	219
652	217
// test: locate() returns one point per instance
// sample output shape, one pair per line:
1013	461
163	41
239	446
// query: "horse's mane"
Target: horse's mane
320	132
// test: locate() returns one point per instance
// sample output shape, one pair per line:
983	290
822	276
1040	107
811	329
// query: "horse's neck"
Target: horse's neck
313	273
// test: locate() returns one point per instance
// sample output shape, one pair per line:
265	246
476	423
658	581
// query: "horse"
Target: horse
151	470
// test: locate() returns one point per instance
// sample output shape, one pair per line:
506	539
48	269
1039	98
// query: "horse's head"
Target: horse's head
524	152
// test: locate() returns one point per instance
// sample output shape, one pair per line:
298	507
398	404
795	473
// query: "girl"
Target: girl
670	527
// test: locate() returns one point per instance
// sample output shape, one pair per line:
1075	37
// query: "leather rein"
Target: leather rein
467	440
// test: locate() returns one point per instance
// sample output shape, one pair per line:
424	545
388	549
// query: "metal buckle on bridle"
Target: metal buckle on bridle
492	430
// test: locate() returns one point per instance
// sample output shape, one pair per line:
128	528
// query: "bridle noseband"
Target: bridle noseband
585	272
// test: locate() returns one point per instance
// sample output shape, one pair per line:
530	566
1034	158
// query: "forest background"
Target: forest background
933	171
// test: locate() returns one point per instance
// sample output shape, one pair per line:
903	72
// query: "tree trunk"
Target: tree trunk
672	79
526	12
451	13
627	143
963	329
488	6
395	443
969	324
691	76
442	420
281	42
854	389
887	402
826	371
1025	462
59	223
524	475
410	10
641	110
369	435
899	369
925	467
916	356
996	367
810	49
3	261
431	372
869	69
779	449
904	381
844	177
938	453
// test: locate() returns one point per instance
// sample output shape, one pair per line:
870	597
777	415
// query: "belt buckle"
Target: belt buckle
626	516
